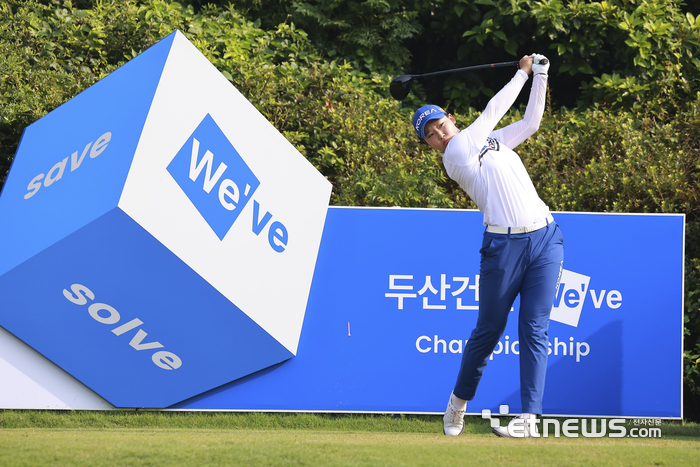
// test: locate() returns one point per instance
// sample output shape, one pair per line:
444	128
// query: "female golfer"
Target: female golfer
522	250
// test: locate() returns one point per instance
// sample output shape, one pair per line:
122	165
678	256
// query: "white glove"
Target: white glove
540	64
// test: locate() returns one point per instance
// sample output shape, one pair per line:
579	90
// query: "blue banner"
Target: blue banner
395	296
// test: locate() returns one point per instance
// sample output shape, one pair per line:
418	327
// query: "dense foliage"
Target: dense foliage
617	51
629	69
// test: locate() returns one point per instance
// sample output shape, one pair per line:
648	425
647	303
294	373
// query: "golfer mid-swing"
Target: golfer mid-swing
522	250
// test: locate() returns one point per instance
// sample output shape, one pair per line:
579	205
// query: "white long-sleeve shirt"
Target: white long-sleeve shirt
484	164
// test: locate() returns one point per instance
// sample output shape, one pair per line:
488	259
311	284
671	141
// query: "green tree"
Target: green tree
618	52
369	34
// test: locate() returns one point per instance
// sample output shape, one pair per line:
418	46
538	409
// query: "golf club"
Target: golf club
401	85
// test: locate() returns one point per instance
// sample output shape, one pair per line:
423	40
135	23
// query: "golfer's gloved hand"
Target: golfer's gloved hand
540	64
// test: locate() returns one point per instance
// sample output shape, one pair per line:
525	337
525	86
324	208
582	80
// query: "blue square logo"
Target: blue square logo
213	176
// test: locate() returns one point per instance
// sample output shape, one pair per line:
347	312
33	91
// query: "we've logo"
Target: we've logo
213	176
571	295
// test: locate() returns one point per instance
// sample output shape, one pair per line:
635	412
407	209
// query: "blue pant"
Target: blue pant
526	264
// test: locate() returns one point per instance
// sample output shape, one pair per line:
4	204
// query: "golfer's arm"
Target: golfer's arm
496	109
515	133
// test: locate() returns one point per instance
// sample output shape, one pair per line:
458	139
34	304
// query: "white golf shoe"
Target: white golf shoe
523	426
453	420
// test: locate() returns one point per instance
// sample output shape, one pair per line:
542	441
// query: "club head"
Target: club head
401	86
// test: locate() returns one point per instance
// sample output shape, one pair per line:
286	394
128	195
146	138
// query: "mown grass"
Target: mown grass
222	420
203	438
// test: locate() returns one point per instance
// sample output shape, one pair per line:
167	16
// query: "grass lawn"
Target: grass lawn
176	438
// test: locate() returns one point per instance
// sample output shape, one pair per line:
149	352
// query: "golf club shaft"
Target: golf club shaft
401	85
475	67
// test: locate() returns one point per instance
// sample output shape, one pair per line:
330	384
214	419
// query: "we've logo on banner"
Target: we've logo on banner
220	184
213	176
571	295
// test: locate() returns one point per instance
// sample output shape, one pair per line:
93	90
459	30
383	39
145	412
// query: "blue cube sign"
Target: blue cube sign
214	176
163	246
